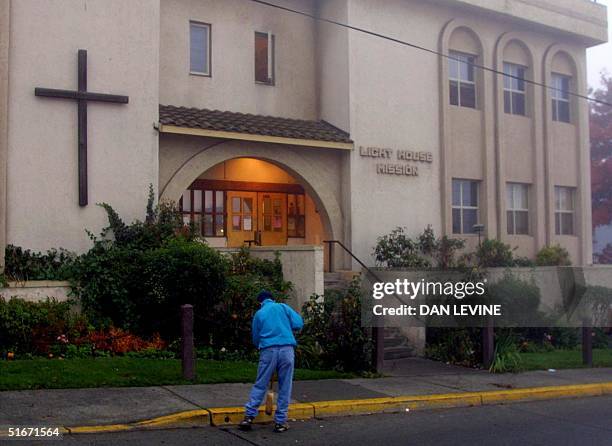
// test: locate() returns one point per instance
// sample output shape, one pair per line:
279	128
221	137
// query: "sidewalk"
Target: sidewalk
412	377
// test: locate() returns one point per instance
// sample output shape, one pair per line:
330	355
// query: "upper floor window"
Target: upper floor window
465	206
462	79
199	48
560	98
517	208
514	89
264	58
565	207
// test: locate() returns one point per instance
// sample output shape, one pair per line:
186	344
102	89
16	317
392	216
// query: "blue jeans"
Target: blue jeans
271	359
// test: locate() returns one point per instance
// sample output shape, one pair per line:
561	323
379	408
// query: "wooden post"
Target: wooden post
488	343
587	345
187	350
378	336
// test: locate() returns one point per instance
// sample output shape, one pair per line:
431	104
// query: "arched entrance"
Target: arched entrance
259	169
249	201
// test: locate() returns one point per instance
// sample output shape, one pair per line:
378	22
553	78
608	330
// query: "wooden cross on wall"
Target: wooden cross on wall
82	96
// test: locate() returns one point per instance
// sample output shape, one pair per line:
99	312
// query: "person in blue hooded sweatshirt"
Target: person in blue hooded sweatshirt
273	328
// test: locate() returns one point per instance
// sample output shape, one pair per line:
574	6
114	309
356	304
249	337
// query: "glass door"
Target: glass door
242	221
273	218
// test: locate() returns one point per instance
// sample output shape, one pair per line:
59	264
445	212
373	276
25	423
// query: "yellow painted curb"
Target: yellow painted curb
190	418
442	401
395	404
227	416
357	407
541	393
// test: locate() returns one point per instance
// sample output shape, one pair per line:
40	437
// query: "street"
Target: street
586	421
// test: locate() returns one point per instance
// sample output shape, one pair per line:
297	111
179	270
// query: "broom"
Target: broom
270	397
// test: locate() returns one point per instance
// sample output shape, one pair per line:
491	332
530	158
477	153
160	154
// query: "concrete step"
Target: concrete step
338	280
393	342
400	352
396	345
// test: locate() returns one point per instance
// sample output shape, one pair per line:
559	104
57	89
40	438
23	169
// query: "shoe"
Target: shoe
279	428
246	424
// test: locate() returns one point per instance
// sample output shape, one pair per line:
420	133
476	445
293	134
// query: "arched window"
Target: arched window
516	68
562	83
462	74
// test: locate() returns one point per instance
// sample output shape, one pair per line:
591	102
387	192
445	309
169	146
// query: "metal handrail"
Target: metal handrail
331	263
372	273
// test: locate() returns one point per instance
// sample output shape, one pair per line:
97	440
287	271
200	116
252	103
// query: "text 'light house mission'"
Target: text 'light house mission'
273	128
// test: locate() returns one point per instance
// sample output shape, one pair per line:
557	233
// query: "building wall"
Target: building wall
4	86
386	95
399	99
232	85
123	52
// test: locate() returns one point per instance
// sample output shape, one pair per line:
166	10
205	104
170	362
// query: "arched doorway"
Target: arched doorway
250	201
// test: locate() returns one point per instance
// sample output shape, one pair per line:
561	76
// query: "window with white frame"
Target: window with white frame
462	79
199	48
264	58
465	206
517	208
561	98
565	208
514	89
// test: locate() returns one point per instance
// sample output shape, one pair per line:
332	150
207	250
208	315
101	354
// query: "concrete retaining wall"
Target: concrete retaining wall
37	290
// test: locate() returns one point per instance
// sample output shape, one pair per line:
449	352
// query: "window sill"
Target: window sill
462	107
512	115
269	84
195	73
563	123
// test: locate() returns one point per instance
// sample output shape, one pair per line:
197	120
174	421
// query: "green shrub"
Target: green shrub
333	336
519	299
35	327
445	251
494	253
600	338
524	262
506	357
181	272
566	338
553	256
397	250
236	306
23	264
138	279
460	346
162	222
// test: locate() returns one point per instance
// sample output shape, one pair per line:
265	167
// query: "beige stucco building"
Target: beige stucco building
273	128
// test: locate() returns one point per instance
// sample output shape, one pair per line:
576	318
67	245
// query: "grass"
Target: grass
564	359
123	372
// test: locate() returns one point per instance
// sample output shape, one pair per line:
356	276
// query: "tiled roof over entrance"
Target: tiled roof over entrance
224	121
